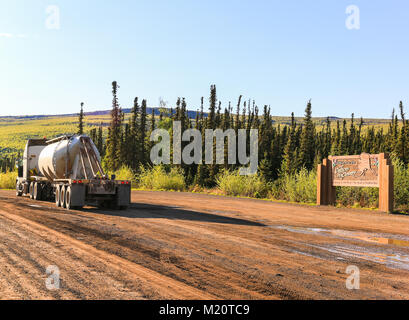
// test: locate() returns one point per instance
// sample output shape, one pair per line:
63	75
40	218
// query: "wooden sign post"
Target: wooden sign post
365	170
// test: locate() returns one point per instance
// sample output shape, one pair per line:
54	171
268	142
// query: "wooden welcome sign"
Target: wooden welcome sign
365	170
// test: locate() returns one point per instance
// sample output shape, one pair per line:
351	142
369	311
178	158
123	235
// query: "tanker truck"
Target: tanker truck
68	170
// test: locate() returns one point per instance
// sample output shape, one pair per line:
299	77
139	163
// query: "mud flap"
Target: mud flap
77	195
123	195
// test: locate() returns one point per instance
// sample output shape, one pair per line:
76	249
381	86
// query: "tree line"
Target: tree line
283	149
8	164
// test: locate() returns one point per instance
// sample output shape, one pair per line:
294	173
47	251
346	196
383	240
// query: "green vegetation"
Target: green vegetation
357	197
289	148
158	178
81	120
300	186
113	145
125	173
234	184
401	184
14	132
8	180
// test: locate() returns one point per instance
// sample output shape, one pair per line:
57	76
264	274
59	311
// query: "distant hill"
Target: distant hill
191	114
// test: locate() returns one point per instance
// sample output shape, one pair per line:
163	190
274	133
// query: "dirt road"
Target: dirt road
193	246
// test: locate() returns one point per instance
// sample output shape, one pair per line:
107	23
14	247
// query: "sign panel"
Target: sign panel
356	171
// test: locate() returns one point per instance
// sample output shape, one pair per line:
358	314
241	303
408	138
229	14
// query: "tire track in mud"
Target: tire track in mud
32	254
169	288
236	278
148	256
212	253
237	282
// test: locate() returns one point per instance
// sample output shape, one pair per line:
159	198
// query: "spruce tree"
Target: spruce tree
142	140
288	165
307	146
135	135
81	120
276	154
213	170
93	134
402	151
113	152
237	122
100	142
212	107
343	150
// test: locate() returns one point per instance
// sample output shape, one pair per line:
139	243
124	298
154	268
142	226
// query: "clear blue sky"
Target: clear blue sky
280	53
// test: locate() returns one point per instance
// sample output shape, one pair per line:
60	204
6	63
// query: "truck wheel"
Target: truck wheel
57	196
37	191
62	197
68	199
31	190
18	192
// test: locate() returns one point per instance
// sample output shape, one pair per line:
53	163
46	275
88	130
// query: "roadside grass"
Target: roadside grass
8	180
297	187
233	184
161	179
125	173
401	184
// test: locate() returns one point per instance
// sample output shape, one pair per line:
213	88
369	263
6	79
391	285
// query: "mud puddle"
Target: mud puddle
389	259
389	254
388	239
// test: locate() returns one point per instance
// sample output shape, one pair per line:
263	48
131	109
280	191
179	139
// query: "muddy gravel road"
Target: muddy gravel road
194	246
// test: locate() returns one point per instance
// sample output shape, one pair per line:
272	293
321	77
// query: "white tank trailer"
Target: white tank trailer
68	170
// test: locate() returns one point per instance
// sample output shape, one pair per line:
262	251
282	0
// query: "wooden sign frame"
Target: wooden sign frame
326	189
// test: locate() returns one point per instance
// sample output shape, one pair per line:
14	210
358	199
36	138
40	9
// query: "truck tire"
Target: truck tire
31	190
37	191
62	196
18	192
57	196
68	193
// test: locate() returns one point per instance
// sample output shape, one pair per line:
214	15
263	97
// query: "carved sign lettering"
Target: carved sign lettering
355	171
